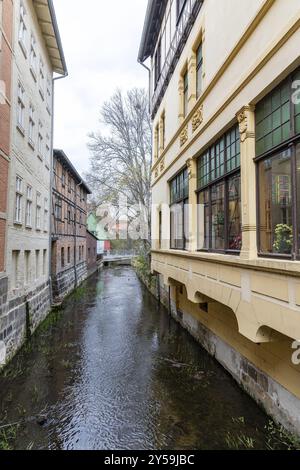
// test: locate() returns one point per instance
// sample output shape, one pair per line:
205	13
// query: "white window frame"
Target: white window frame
28	221
40	140
42	79
48	95
38	211
33	56
22	35
18	202
31	125
46	214
21	108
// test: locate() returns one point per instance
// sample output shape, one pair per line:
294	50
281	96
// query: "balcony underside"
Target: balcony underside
263	303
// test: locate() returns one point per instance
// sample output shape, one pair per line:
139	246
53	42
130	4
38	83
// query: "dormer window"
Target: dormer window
157	63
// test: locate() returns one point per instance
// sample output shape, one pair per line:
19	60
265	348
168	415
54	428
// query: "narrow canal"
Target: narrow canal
111	370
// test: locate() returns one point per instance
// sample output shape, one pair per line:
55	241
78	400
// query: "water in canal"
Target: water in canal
112	370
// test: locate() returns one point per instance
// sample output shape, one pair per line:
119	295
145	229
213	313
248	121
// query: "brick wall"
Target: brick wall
5	76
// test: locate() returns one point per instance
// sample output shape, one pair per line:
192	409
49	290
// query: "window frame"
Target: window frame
199	69
182	201
213	182
290	143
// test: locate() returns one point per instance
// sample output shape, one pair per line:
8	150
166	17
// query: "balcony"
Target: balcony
185	23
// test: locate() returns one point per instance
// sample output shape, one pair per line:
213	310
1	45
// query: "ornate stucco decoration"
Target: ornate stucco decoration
197	118
190	168
156	172
184	136
243	125
162	165
246	122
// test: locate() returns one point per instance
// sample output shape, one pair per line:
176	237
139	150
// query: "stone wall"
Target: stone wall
277	401
20	317
64	282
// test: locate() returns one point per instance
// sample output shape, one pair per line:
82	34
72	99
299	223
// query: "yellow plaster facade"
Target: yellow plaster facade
253	302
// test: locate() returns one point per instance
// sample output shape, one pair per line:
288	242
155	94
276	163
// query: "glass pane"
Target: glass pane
203	221
275	202
298	193
218	217
177	226
186	224
234	213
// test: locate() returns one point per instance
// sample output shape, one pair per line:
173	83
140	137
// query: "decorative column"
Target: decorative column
192	81
246	120
192	171
180	95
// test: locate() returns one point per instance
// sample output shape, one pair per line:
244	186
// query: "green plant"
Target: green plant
239	442
277	437
283	240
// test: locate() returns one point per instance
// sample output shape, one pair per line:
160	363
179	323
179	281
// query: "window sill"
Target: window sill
33	73
31	144
23	48
279	266
42	95
21	130
28	227
40	157
19	224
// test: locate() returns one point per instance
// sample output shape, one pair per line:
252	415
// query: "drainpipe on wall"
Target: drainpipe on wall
149	86
51	185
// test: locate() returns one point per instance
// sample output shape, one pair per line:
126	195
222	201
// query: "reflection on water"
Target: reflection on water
113	371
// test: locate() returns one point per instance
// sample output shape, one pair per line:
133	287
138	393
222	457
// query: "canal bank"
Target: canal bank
257	368
112	370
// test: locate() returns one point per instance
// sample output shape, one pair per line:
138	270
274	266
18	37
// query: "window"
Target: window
79	249
219	197
69	216
44	262
277	154
22	29
40	140
156	142
185	93
63	178
163	130
58	209
69	184
69	255
38	211
179	195
37	264
46	215
21	106
157	64
160	229
62	257
31	125
15	268
33	56
47	150
19	195
180	6
29	207
42	79
27	255
199	70
48	95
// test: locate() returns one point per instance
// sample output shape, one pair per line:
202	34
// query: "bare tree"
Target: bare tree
120	163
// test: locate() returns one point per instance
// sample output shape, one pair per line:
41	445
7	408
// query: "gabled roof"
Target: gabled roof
62	157
47	20
154	17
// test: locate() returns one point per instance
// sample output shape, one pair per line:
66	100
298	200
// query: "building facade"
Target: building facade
92	259
225	104
6	34
96	227
68	227
37	55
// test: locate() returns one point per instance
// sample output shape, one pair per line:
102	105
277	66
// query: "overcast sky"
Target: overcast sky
100	41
